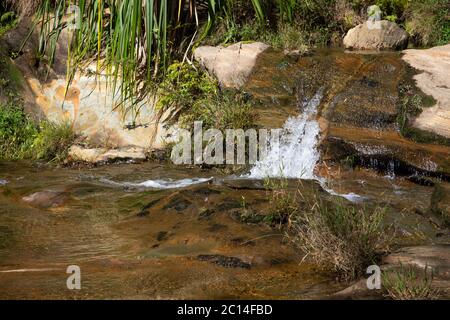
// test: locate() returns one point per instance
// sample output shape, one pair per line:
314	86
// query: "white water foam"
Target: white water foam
296	155
3	182
160	183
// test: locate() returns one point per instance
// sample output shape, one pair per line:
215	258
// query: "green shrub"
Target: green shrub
428	22
392	8
17	132
23	138
225	110
53	141
195	96
283	205
7	21
183	85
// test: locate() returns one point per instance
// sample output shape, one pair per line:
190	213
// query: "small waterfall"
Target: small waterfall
296	154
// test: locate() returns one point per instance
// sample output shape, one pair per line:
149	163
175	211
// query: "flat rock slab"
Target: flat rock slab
231	65
434	81
436	257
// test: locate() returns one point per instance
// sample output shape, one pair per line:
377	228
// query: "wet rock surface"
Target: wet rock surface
435	258
223	261
387	152
47	199
440	202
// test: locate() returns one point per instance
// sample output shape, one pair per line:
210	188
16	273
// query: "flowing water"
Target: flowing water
156	230
296	154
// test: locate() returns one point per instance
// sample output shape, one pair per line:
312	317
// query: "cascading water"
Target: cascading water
296	154
293	156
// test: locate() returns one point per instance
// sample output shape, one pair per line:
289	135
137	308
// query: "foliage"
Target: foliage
17	133
7	21
283	204
428	22
22	138
225	110
341	237
132	40
407	284
52	141
183	85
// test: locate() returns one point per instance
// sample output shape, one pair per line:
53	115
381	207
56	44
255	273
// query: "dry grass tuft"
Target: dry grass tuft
340	237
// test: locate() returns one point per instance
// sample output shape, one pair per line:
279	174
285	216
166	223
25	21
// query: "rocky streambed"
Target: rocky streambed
156	230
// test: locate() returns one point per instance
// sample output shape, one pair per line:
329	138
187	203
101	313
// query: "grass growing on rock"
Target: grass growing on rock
283	203
192	95
410	104
407	283
340	237
188	94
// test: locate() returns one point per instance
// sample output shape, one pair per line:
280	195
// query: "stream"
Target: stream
160	231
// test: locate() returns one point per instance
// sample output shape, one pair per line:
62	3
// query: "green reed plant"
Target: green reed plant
132	40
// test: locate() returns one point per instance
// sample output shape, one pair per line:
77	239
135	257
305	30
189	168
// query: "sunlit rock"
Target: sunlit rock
434	81
231	65
376	35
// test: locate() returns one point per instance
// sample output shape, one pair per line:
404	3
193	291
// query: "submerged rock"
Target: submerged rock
231	65
358	289
378	35
178	203
47	199
224	261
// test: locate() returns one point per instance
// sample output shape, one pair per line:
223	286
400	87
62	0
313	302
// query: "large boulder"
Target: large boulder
378	35
88	104
231	65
